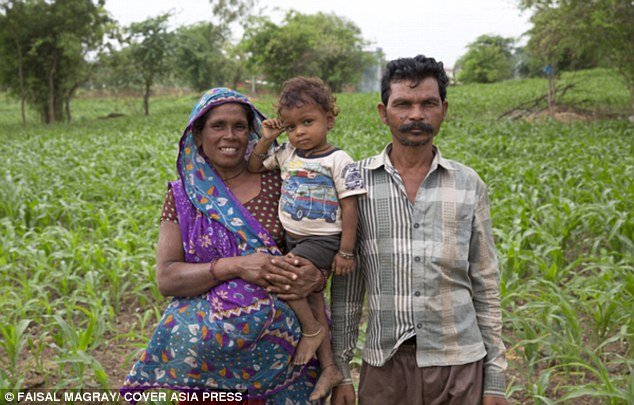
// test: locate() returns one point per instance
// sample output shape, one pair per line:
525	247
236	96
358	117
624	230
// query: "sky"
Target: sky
401	28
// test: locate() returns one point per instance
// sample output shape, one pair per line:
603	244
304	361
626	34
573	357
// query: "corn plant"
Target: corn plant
12	343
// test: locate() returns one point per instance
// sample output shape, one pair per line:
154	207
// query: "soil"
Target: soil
562	113
116	355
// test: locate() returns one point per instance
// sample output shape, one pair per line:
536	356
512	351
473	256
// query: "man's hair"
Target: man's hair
300	91
415	70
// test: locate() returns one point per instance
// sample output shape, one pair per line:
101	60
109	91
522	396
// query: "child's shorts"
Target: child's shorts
320	250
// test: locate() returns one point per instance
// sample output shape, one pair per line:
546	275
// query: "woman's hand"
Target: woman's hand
293	277
250	268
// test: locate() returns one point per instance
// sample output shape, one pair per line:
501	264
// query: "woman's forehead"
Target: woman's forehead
227	110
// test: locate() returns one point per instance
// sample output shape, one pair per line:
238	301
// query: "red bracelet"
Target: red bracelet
212	266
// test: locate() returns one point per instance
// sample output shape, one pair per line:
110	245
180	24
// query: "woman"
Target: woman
223	330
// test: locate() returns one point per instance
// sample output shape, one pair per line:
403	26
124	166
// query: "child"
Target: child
318	207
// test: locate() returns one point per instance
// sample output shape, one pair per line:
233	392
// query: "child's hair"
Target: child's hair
301	90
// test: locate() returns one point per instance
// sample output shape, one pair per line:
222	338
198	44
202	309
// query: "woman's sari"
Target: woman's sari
236	336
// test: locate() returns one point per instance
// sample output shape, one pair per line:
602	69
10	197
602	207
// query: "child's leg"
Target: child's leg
313	333
330	374
319	250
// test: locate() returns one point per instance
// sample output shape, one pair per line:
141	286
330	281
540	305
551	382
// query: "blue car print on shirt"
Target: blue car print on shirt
309	195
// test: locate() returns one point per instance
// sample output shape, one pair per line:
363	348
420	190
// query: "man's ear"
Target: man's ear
445	107
382	109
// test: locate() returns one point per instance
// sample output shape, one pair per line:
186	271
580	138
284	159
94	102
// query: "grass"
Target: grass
80	202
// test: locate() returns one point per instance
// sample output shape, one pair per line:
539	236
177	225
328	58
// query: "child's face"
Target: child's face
307	126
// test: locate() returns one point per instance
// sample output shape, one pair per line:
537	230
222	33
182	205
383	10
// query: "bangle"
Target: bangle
346	255
212	266
324	273
262	156
345	381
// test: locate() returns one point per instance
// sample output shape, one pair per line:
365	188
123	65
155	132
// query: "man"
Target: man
427	260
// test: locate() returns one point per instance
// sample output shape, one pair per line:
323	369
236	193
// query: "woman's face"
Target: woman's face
225	136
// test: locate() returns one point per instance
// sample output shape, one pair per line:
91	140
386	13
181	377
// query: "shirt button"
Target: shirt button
417	259
417	293
419	326
416	226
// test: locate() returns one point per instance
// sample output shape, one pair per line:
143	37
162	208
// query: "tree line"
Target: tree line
49	49
566	35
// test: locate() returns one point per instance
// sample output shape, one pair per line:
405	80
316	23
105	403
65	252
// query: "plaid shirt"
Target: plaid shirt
430	271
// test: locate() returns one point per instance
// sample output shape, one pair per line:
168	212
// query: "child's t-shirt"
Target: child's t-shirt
312	187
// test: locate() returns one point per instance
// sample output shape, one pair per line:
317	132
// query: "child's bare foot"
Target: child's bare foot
330	376
308	345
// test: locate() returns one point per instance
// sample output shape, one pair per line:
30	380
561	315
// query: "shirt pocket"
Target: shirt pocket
451	247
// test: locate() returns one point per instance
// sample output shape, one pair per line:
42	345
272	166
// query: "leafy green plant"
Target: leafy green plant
12	343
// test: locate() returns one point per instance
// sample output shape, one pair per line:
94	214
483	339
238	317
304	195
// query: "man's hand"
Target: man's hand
272	128
493	400
343	395
293	277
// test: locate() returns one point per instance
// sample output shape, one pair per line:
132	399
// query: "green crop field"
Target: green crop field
80	206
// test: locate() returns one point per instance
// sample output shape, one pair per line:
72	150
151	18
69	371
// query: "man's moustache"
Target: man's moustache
421	126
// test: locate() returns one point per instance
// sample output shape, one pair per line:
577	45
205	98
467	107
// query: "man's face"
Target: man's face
414	114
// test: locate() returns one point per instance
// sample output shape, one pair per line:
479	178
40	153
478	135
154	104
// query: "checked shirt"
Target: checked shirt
429	269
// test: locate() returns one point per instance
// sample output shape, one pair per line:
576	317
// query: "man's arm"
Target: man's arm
485	279
346	294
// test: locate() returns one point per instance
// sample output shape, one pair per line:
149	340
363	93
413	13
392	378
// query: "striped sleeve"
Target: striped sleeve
346	294
484	274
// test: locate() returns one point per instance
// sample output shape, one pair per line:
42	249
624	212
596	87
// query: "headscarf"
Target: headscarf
205	188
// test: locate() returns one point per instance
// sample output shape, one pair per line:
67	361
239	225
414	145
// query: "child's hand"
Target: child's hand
272	128
342	266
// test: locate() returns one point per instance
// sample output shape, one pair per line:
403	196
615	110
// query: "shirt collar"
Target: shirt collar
383	159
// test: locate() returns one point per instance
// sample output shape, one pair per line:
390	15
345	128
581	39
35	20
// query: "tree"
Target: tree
549	43
149	51
229	11
45	48
488	60
200	55
580	29
14	39
323	45
197	55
